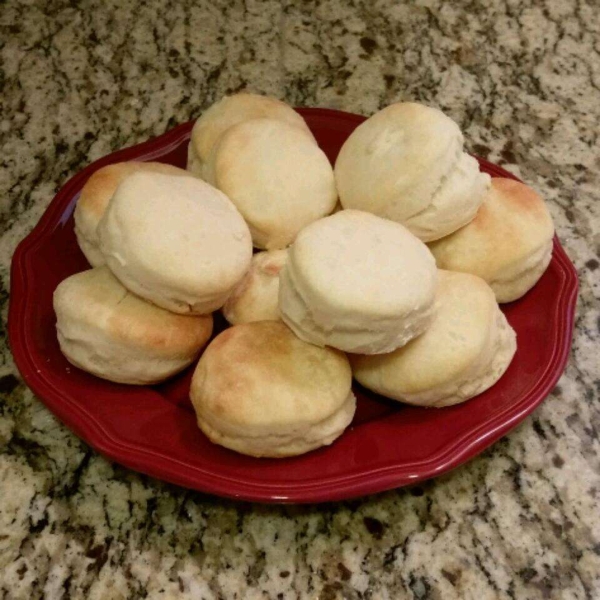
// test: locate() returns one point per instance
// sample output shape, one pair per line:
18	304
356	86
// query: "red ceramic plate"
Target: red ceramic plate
153	430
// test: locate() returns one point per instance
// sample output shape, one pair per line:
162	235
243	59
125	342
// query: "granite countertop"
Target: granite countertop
522	78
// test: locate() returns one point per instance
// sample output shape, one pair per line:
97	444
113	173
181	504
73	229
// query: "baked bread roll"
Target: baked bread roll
95	196
256	296
358	283
175	241
230	111
261	391
406	163
508	244
466	349
276	175
109	332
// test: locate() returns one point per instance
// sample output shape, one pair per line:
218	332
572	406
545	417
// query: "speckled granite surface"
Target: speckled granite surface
80	79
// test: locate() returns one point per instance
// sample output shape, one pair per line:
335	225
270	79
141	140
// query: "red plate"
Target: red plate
152	429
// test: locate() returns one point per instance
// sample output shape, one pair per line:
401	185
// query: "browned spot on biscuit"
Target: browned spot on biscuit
520	195
272	269
101	186
149	326
219	409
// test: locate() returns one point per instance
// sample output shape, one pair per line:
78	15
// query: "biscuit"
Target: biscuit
465	351
358	283
230	111
175	241
95	196
508	244
275	174
261	391
406	163
109	332
256	296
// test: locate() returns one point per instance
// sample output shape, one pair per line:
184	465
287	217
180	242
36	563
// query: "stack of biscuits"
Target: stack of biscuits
387	268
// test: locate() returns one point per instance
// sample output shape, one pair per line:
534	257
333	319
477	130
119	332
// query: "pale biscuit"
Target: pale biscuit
230	111
406	163
175	241
256	296
357	282
95	196
275	174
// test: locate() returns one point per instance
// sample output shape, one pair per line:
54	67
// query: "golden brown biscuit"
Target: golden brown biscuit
261	391
111	333
508	244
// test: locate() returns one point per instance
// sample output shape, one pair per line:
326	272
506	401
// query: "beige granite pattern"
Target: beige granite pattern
81	79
